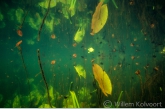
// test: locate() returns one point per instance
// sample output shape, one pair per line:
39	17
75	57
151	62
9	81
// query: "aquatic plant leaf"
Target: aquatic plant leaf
19	14
49	24
51	92
79	35
118	101
35	23
84	94
16	102
45	3
113	1
81	31
80	70
99	18
30	42
1	16
74	99
102	79
68	103
72	8
45	106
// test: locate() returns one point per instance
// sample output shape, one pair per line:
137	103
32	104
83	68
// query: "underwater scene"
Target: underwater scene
82	53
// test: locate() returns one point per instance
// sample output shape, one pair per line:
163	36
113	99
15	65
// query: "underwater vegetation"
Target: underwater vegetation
82	53
102	79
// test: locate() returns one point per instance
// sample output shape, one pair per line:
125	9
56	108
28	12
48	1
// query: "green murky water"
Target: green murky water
128	45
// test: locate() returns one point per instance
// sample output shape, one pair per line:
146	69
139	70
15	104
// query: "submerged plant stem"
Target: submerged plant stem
39	32
43	76
115	4
119	99
27	77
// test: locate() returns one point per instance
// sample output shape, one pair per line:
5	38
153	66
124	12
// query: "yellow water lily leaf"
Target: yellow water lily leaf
99	18
102	79
80	70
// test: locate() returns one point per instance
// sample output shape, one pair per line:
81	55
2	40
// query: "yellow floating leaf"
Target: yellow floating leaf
80	70
102	79
99	18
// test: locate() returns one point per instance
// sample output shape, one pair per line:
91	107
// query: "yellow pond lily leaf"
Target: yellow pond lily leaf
80	70
102	79
99	18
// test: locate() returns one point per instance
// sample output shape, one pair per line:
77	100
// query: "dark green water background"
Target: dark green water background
129	24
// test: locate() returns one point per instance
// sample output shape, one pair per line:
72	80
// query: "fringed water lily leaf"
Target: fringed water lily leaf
102	79
99	18
80	70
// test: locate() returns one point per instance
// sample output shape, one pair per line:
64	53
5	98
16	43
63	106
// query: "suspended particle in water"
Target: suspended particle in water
53	62
18	43
114	68
132	57
135	39
156	68
19	32
131	44
74	45
113	35
152	25
137	63
137	72
53	36
74	55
